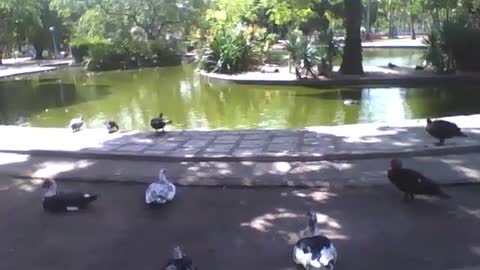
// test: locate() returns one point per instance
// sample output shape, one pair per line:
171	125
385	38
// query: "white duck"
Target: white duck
314	251
160	191
179	261
76	124
65	201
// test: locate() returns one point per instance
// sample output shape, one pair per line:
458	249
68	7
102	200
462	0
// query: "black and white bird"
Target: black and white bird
315	251
76	124
161	191
412	183
111	126
313	228
65	201
159	123
442	130
179	261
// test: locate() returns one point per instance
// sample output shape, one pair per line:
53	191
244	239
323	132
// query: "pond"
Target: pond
132	98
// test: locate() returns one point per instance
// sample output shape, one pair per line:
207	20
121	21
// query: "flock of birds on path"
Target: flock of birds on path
313	250
157	123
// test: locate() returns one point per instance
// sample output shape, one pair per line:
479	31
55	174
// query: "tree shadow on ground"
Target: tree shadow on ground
238	228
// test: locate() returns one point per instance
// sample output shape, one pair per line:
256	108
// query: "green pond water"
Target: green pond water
132	98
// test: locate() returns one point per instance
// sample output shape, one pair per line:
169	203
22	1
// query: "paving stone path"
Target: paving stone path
341	142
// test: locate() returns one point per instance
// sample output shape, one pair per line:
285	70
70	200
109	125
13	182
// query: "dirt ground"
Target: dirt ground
372	228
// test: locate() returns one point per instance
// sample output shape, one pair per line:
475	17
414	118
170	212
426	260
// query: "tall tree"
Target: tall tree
352	52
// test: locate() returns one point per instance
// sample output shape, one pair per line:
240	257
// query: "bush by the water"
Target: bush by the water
81	47
133	54
103	55
462	43
454	47
228	52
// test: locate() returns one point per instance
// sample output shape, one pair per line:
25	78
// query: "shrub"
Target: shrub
434	54
228	52
302	52
461	43
81	46
132	54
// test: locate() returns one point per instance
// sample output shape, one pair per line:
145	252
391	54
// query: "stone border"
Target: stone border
351	80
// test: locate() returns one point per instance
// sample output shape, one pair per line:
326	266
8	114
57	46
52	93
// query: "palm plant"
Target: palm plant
303	53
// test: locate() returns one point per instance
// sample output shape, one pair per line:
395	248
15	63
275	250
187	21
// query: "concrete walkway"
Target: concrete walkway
361	141
29	66
351	155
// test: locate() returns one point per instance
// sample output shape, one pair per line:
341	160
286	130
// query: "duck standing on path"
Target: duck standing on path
160	191
315	251
76	124
65	201
111	126
411	182
442	130
159	123
179	261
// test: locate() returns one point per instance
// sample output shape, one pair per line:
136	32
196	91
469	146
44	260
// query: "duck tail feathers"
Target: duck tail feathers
461	134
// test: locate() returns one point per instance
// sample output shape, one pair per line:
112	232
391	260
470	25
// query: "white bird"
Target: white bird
76	124
160	191
314	251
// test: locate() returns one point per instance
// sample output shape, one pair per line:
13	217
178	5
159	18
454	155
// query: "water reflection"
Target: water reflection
132	98
384	104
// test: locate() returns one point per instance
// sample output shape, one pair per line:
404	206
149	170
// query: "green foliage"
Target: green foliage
434	54
81	47
131	54
460	44
332	47
302	52
229	51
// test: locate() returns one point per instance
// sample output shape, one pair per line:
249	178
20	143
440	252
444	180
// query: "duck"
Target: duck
111	126
159	123
179	261
350	102
65	201
316	252
312	228
161	191
390	65
442	129
76	124
412	183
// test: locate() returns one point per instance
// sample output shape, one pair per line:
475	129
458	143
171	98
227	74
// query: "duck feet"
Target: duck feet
440	143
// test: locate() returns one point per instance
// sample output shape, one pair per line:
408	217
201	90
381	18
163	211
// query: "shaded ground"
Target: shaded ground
237	228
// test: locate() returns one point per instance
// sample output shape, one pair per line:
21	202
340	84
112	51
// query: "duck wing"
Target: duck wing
442	128
160	192
413	182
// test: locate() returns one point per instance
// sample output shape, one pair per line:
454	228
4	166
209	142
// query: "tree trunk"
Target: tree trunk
412	25
352	52
1	56
38	51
